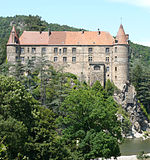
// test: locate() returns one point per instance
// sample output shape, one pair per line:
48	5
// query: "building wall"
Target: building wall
105	59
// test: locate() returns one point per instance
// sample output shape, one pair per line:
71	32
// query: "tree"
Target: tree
28	130
90	126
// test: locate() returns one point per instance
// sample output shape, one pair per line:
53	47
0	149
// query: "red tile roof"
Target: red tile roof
13	31
121	36
69	37
66	38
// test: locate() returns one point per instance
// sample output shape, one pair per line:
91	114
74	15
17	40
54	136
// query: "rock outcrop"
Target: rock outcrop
139	121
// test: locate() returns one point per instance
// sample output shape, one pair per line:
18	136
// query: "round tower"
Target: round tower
13	46
120	65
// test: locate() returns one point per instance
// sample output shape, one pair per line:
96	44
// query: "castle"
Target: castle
91	55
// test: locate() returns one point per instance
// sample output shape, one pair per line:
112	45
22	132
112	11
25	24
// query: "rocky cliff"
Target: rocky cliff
139	121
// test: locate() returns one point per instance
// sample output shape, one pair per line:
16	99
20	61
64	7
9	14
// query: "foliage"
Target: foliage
142	156
28	130
89	124
111	88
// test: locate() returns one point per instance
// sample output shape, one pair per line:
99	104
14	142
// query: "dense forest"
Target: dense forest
48	114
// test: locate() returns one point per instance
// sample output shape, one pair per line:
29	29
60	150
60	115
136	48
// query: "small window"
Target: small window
22	59
90	59
33	50
17	58
55	59
28	50
59	51
96	67
115	49
90	50
55	50
43	50
22	50
115	58
64	59
73	50
33	58
64	50
107	68
73	59
115	77
115	68
107	59
17	49
107	50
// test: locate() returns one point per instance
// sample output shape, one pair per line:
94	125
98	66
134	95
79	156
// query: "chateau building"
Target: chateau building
91	55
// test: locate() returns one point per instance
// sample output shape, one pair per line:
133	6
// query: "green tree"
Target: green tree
89	123
28	130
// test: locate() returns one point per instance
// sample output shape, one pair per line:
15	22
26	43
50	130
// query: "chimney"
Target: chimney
82	31
49	32
99	32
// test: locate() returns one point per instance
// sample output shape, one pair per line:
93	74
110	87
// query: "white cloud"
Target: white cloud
142	3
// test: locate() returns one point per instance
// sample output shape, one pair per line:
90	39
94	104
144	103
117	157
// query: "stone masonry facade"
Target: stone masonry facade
91	55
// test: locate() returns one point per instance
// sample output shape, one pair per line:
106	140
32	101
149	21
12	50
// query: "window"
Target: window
17	49
22	50
115	68
90	59
17	58
107	59
115	58
96	67
64	59
107	50
116	41
74	50
90	50
115	49
55	59
115	77
22	59
107	68
55	50
43	50
64	50
33	50
33	58
73	59
28	50
59	51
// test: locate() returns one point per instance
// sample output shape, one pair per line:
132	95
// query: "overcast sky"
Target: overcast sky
89	14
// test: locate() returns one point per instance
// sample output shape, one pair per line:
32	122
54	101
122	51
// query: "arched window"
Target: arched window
96	67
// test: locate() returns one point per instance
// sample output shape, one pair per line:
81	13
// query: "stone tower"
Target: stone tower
120	65
12	46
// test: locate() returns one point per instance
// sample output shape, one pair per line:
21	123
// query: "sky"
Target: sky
107	15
